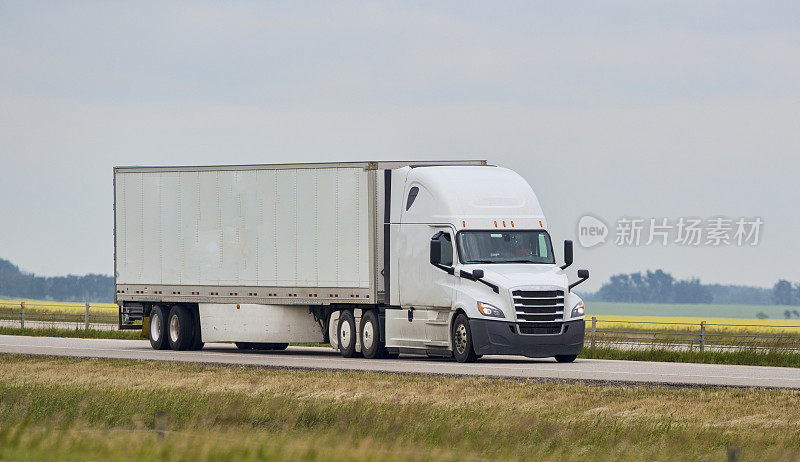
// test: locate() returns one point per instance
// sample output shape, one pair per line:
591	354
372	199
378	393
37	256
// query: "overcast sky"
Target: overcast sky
615	109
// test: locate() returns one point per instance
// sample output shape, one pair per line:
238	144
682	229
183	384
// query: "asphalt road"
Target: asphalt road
490	366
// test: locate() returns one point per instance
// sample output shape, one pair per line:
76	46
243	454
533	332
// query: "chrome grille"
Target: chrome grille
539	311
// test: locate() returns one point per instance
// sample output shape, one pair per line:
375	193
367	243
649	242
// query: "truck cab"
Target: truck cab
473	270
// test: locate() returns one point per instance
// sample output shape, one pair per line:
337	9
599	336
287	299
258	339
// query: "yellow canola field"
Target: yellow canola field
46	306
683	323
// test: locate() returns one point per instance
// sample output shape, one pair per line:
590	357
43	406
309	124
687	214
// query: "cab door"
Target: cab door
425	290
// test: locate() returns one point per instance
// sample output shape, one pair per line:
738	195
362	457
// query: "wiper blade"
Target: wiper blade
480	261
518	261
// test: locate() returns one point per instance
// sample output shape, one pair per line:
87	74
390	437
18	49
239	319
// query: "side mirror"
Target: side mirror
436	252
582	276
567	254
477	273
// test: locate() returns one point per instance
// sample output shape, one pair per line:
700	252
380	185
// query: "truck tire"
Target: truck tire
180	328
565	358
158	327
461	338
371	344
347	332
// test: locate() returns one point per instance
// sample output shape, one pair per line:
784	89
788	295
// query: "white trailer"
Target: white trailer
378	258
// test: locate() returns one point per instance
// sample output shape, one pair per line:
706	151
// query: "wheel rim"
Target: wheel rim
174	328
344	334
369	337
155	327
461	338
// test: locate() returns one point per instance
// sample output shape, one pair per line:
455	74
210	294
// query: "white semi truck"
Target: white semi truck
445	258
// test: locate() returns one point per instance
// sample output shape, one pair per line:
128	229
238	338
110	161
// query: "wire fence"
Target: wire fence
23	314
702	336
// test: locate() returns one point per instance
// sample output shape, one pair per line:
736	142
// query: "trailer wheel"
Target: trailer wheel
566	358
347	333
180	328
371	344
158	328
462	340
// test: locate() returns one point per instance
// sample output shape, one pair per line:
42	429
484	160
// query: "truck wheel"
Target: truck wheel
347	333
371	344
180	328
279	346
566	358
158	328
462	340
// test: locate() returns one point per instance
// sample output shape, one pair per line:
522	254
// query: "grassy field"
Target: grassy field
71	409
72	333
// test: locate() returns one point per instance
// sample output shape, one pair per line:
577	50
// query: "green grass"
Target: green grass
777	358
73	409
73	333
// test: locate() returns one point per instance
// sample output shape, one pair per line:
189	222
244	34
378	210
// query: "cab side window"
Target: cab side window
447	249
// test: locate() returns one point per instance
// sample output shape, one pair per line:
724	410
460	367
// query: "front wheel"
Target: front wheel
462	340
565	358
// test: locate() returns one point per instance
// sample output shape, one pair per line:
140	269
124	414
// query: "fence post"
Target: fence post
702	336
86	318
594	330
21	315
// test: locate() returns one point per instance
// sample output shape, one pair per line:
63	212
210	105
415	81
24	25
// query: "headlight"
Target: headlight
578	311
490	310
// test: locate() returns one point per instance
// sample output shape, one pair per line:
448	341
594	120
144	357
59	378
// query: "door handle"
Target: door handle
411	314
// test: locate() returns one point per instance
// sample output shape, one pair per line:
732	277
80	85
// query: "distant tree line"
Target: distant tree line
660	287
786	293
88	288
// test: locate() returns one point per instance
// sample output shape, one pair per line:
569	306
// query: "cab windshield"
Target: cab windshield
505	247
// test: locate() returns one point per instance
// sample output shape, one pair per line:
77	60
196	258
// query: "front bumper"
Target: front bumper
503	338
